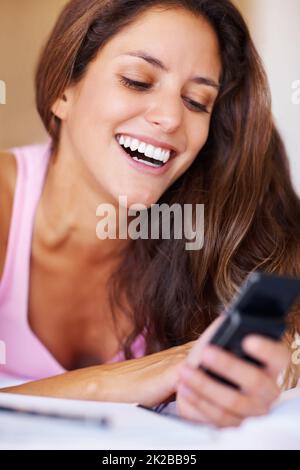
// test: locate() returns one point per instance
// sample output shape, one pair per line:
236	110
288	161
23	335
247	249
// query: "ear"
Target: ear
61	106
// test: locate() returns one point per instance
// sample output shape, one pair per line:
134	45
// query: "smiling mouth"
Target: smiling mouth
142	158
139	157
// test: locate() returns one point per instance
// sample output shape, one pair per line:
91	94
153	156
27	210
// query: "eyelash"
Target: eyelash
141	86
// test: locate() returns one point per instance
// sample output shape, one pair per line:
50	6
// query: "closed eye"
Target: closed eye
141	86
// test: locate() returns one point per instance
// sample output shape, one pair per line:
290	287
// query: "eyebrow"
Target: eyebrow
159	64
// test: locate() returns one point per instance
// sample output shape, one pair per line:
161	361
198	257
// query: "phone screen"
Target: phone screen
262	306
267	296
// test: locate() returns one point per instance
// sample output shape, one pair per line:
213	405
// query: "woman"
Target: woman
113	69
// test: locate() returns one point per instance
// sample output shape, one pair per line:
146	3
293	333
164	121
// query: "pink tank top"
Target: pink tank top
23	354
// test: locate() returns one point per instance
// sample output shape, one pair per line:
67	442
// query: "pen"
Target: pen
158	410
103	421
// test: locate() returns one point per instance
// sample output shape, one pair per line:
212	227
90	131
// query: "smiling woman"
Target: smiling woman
162	102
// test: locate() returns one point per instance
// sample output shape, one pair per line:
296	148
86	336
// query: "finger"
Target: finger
211	413
194	357
186	410
251	379
274	354
232	401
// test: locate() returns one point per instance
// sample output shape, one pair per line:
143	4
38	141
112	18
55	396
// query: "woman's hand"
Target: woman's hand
149	380
202	399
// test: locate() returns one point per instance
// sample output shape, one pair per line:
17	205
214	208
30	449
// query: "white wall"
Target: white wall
275	28
24	26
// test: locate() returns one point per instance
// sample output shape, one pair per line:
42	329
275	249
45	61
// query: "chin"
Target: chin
130	199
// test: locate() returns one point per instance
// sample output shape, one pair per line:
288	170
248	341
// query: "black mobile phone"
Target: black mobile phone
260	308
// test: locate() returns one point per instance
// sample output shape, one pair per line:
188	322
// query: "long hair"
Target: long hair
241	175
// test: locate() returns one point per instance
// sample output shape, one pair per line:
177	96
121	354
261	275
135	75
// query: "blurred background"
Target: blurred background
25	24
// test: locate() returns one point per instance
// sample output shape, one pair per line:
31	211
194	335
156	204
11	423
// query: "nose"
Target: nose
165	112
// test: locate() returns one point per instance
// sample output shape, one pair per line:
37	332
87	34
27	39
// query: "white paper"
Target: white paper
136	428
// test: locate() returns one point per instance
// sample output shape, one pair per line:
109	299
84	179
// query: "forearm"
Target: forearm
148	380
84	384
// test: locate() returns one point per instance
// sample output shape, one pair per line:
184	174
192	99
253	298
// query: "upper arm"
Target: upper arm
8	173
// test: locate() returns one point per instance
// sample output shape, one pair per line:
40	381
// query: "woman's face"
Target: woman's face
169	107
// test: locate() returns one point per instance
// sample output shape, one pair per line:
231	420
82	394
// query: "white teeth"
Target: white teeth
142	147
166	155
146	163
146	149
149	152
127	142
134	144
158	154
151	164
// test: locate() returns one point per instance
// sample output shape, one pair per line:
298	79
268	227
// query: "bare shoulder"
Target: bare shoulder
8	174
7	168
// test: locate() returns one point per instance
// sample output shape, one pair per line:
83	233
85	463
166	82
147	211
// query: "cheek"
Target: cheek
104	104
196	141
94	119
198	135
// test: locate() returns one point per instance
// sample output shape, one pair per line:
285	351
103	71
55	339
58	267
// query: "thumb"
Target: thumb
193	359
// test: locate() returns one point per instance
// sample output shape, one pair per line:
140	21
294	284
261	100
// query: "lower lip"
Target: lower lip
143	168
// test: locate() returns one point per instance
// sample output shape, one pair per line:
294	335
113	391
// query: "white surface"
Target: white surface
131	427
135	428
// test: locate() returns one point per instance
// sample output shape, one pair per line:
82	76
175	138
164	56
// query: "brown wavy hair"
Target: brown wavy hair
252	213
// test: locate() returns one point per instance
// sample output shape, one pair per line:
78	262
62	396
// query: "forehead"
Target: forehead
174	35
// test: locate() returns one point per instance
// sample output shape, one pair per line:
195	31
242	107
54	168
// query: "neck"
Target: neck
68	209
